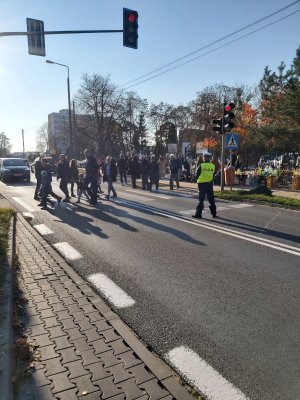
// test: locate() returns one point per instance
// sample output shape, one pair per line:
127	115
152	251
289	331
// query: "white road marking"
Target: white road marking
145	193
28	215
113	293
241	205
230	232
190	212
43	229
67	251
24	204
202	375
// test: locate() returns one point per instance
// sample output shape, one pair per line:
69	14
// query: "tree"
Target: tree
42	145
5	145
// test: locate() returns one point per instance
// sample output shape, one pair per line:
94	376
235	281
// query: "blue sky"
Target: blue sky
30	89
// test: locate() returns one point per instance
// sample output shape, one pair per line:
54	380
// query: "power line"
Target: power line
211	51
212	43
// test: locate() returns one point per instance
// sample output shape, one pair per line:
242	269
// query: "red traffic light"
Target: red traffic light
229	107
131	17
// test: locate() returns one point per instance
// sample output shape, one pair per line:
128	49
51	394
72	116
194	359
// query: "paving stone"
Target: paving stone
32	320
44	393
84	385
29	310
102	325
47	352
81	345
119	346
129	359
154	389
36	292
70	394
74	333
82	301
39	378
68	355
62	342
49	293
36	330
92	335
76	295
48	313
72	288
68	324
61	382
94	396
119	373
110	335
76	369
85	324
109	358
95	316
64	293
131	390
74	308
53	366
54	300
88	308
78	315
32	285
98	372
100	346
63	315
56	331
68	301
43	305
89	357
41	340
51	322
108	388
141	373
58	307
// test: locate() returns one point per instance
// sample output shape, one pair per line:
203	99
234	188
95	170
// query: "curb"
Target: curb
6	328
158	367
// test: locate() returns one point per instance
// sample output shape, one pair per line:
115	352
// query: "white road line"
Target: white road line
43	229
202	375
241	205
145	193
24	204
67	251
230	232
113	293
190	212
28	215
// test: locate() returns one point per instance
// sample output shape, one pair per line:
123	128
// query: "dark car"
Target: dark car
49	160
14	168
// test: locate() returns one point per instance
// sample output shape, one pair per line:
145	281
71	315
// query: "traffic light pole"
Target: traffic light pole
222	162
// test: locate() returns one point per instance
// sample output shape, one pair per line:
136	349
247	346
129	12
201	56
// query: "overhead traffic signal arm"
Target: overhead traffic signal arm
130	28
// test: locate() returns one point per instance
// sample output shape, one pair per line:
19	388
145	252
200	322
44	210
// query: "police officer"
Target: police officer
204	176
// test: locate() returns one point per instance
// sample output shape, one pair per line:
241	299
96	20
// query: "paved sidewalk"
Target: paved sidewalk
82	350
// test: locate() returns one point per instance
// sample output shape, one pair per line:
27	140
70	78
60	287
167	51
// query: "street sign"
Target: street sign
232	141
36	42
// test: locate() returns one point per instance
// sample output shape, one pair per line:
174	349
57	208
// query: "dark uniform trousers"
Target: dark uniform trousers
206	188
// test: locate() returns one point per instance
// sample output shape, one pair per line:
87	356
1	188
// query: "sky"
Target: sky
30	89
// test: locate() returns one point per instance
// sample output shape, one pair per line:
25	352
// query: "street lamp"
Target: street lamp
22	131
69	105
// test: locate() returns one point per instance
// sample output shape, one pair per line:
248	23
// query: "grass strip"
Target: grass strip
5	217
239	195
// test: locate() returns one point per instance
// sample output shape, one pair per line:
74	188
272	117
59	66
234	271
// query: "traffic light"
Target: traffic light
36	42
130	28
218	125
228	117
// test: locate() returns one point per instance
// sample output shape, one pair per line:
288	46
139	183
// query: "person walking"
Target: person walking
46	187
154	173
174	168
74	176
63	173
134	170
204	176
81	189
90	180
122	168
145	172
38	176
110	173
162	166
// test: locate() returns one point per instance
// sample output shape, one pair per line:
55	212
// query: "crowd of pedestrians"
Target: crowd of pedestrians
148	168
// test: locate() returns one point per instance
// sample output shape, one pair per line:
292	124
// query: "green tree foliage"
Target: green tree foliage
5	146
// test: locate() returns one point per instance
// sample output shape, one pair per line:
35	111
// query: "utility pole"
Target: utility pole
23	143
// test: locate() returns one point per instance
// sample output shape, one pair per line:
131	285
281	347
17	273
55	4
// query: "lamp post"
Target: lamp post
22	131
69	105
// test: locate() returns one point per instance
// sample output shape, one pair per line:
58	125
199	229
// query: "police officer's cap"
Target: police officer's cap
207	154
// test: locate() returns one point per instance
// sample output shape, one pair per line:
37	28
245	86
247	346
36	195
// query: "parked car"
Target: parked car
14	168
49	160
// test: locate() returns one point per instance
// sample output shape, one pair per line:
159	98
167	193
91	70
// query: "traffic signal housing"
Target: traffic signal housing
228	117
218	125
130	28
36	41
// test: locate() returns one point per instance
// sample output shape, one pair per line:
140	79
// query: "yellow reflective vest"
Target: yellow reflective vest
207	172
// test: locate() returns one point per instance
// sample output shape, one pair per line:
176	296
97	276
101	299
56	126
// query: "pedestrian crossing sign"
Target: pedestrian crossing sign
232	141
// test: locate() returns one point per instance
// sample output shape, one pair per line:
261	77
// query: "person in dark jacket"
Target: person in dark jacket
63	173
154	173
122	168
134	170
174	168
110	173
38	176
74	176
91	173
144	165
46	187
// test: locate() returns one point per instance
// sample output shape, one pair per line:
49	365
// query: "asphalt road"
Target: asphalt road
228	289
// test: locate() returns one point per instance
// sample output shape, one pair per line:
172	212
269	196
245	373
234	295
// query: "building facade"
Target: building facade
59	132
